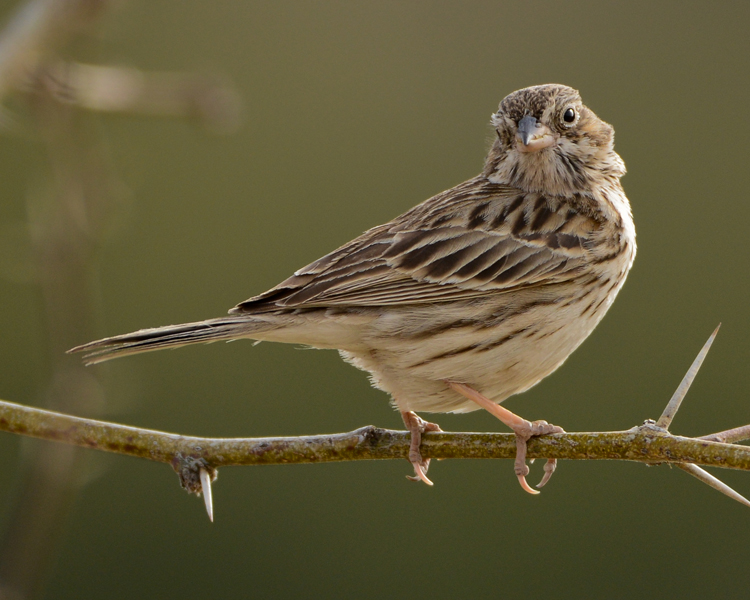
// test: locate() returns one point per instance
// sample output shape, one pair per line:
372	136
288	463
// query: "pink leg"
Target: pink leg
523	429
417	426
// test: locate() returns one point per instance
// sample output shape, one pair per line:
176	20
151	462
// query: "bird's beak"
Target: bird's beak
532	136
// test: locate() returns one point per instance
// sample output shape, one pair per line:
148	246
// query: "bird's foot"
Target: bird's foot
523	429
417	426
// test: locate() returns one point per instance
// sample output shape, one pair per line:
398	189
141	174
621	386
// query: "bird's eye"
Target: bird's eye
569	116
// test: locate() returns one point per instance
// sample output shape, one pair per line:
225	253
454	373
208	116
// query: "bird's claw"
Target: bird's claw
420	468
417	426
549	468
524	432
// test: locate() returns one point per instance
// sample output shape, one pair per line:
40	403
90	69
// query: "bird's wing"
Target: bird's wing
475	239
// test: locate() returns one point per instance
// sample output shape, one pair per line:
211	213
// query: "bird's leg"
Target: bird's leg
523	429
417	426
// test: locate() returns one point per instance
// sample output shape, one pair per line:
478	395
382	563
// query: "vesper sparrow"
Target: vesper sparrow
470	297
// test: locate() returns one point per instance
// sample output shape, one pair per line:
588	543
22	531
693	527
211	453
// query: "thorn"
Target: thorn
730	436
206	488
713	482
679	394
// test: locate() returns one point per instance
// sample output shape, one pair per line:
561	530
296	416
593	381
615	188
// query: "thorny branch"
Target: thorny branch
645	443
196	459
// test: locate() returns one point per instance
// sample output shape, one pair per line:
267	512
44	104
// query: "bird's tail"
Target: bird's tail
171	336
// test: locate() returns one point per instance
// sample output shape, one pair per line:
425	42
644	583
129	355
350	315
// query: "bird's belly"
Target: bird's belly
500	347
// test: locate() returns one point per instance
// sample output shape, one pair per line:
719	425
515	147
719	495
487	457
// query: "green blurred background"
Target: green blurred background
354	112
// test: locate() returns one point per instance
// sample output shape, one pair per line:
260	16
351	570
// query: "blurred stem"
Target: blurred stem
210	99
646	443
36	31
63	225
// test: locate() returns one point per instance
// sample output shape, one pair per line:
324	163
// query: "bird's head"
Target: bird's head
549	142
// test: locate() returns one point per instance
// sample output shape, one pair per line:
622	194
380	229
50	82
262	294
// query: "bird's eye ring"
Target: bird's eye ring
569	116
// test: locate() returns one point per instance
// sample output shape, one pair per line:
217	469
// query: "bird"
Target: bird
470	297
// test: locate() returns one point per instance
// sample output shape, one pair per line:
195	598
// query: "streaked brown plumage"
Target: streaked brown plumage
477	293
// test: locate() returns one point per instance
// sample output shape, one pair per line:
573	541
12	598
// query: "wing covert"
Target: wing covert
478	238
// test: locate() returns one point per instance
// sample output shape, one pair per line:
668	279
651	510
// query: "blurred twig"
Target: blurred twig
63	224
108	89
37	31
66	226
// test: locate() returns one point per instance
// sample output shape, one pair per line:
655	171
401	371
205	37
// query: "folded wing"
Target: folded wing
477	239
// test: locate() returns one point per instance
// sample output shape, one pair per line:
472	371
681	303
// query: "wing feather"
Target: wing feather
478	238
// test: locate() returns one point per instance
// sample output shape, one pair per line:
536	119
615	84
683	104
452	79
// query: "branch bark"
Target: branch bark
646	443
